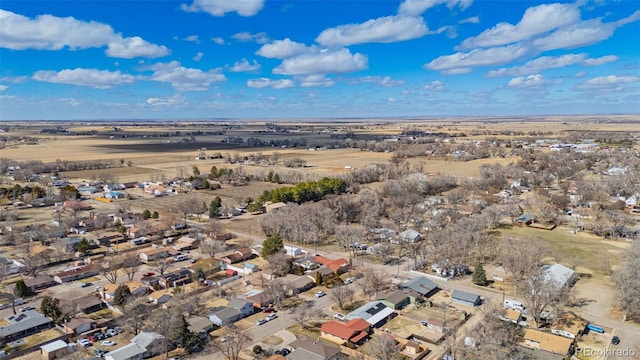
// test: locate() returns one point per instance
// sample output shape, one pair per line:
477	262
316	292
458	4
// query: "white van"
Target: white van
514	305
180	258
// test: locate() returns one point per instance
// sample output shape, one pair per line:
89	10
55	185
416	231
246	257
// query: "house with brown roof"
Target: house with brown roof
77	273
555	344
436	325
512	315
395	300
39	283
298	284
86	304
324	271
568	325
186	243
338	266
310	349
160	297
237	256
136	288
353	332
79	325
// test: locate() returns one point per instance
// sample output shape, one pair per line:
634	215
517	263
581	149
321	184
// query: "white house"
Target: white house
236	310
293	251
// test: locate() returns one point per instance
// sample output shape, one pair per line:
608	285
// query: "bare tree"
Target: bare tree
521	258
211	247
235	341
136	315
111	268
159	265
341	295
107	178
384	347
346	235
541	294
302	314
130	264
626	280
279	263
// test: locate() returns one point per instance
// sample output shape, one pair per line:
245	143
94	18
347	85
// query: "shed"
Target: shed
465	298
55	350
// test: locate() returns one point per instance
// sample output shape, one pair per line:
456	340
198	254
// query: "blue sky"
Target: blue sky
196	59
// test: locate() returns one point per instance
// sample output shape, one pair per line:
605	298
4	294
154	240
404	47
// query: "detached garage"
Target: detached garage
465	298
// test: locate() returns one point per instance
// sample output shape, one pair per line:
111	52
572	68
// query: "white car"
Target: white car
348	280
112	332
339	317
271	316
320	294
107	343
262	322
84	342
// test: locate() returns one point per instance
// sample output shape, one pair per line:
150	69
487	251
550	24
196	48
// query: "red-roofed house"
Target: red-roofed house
338	266
353	332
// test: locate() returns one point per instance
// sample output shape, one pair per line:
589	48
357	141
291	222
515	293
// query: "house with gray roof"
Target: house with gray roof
560	275
128	352
465	298
410	236
152	342
310	349
24	324
375	313
236	310
422	286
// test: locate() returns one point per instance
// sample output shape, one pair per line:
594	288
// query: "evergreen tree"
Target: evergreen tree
50	307
276	178
21	289
181	335
146	214
121	295
83	246
479	275
272	245
155	215
270	176
205	184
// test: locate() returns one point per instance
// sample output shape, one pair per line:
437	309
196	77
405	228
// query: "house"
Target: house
77	273
410	236
261	299
309	349
114	195
413	349
69	244
525	220
323	271
79	325
293	251
175	278
153	254
200	325
136	288
186	243
238	256
39	283
513	316
160	297
396	300
561	275
24	324
236	309
422	286
86	304
555	344
353	332
270	207
153	343
465	298
568	325
128	352
298	284
436	325
113	187
338	266
375	313
55	350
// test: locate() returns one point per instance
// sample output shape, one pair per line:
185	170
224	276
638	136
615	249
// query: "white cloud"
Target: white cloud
218	40
192	38
536	20
324	62
262	83
244	36
132	47
48	32
386	29
582	34
462	62
551	62
15	79
243	65
471	20
282	49
100	79
435	85
198	56
315	81
185	79
536	80
166	101
610	82
417	7
221	7
385	81
3	87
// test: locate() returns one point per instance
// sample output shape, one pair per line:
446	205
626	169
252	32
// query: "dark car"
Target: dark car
86	284
615	340
285	352
269	309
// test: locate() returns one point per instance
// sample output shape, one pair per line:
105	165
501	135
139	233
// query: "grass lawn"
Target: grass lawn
565	246
310	332
39	338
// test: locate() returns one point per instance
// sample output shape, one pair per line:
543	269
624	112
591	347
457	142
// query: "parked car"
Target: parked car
348	280
271	316
99	352
27	308
107	343
320	294
339	317
425	323
147	274
285	352
92	338
111	332
261	322
84	342
99	336
87	284
269	309
615	340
